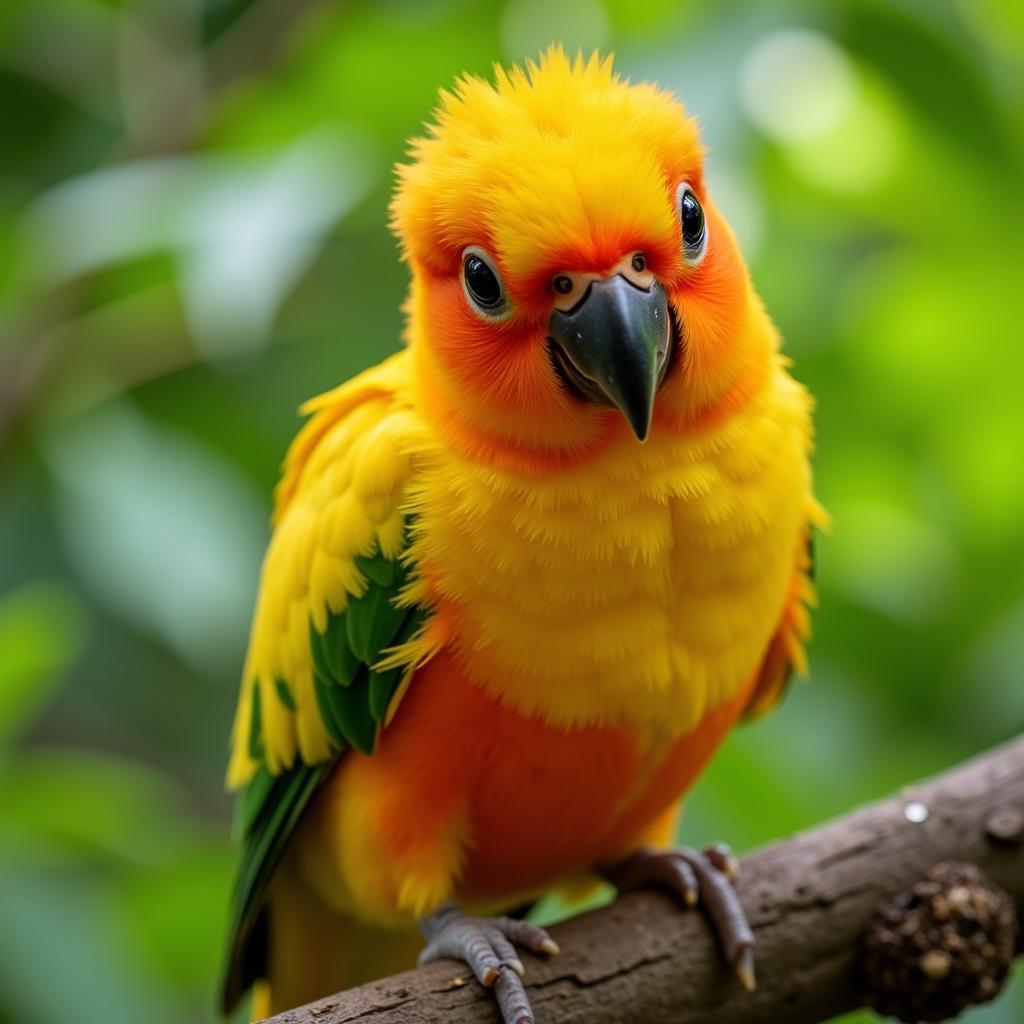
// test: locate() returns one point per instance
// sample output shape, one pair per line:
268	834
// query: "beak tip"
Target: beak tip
613	347
639	420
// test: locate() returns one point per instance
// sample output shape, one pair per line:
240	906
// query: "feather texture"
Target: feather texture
330	607
330	591
496	638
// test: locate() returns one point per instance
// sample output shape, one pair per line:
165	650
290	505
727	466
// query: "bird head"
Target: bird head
571	277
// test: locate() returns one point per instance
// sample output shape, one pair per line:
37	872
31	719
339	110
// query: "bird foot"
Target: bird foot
694	877
488	946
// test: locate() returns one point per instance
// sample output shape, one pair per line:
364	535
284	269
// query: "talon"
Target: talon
488	946
687	873
744	967
512	1000
722	857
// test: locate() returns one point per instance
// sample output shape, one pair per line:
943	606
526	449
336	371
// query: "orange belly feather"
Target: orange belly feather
529	804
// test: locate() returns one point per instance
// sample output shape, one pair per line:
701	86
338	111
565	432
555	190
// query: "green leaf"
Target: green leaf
284	694
909	49
99	808
71	925
41	631
372	621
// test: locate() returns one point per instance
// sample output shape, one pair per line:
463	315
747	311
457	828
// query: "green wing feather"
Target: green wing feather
353	701
269	808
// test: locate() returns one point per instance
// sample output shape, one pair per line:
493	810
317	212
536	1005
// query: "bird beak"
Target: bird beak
612	347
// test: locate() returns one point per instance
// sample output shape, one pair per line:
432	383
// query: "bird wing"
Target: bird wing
785	654
336	633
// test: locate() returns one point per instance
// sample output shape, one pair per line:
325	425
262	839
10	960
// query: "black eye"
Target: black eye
639	262
691	215
562	284
482	283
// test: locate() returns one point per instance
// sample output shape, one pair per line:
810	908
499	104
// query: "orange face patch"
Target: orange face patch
562	168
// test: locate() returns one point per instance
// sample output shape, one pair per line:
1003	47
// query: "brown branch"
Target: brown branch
810	900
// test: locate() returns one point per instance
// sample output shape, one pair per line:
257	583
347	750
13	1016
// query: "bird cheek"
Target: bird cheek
466	345
447	321
666	263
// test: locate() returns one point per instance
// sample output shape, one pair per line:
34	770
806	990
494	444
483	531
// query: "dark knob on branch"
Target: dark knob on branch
943	946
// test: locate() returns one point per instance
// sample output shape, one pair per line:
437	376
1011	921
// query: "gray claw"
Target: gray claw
744	966
512	999
721	855
487	946
684	872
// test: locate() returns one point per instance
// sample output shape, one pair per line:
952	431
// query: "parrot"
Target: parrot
525	575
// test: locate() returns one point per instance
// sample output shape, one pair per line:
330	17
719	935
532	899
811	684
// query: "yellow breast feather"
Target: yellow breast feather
643	586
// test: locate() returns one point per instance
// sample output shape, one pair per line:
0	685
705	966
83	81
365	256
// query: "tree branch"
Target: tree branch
810	899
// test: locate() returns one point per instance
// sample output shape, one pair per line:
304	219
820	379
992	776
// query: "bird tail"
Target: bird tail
261	1006
314	951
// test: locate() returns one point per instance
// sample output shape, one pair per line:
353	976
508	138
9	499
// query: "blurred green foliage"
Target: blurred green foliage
193	195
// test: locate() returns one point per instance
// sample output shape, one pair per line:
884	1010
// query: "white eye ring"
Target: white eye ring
482	285
694	249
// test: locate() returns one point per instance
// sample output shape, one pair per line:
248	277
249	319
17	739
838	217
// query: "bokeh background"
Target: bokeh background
194	239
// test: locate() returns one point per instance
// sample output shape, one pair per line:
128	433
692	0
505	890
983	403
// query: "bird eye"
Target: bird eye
482	283
695	232
639	262
562	284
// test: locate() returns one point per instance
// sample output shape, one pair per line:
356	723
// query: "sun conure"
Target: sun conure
527	573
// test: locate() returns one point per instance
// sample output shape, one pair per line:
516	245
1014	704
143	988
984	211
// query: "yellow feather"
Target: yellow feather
671	576
341	496
645	570
631	586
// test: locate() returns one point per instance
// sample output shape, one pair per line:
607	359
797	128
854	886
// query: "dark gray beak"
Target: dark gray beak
612	347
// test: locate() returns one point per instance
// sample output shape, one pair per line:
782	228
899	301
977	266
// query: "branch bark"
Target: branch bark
810	900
